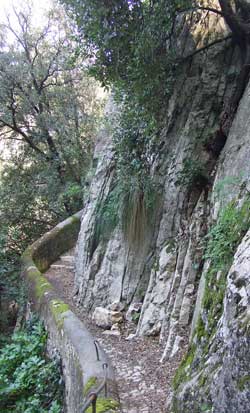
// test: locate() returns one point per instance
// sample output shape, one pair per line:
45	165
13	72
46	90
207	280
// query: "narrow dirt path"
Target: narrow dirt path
144	383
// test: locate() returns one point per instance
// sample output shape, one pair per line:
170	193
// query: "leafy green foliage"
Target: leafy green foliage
131	201
129	47
29	382
12	290
49	114
129	44
48	118
48	106
136	143
225	235
193	174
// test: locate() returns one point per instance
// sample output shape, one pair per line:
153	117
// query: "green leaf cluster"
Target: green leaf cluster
129	44
29	382
193	174
136	142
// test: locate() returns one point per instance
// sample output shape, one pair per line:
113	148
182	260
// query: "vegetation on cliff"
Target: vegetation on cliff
134	48
134	44
222	241
48	119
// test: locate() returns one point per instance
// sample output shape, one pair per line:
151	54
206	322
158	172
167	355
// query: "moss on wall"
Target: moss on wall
37	258
105	405
184	370
54	243
40	283
58	308
243	382
88	386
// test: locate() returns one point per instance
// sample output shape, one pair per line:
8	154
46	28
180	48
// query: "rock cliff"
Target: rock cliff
199	170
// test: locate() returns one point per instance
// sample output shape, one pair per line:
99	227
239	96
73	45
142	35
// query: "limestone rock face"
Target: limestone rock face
223	383
167	272
109	269
218	377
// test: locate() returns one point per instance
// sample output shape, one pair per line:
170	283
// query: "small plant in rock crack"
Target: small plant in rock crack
222	241
136	317
29	381
224	237
193	174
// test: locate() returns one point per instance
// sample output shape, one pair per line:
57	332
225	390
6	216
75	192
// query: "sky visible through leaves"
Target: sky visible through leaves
38	7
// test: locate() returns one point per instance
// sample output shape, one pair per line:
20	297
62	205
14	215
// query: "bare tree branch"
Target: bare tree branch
202	49
26	138
203	8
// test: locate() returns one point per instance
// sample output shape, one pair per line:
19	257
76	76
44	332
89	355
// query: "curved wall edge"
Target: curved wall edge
82	371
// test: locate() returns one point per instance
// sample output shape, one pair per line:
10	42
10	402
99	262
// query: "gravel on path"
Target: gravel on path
144	383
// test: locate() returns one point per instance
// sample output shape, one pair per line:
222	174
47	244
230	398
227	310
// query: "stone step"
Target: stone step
62	267
68	258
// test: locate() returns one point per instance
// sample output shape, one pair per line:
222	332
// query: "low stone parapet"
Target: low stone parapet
83	360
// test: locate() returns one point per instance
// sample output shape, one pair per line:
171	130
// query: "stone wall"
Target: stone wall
67	335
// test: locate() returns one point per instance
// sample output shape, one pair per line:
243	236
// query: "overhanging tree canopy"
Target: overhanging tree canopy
132	41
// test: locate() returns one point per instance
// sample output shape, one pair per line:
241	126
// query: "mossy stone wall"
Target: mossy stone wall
67	334
60	239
